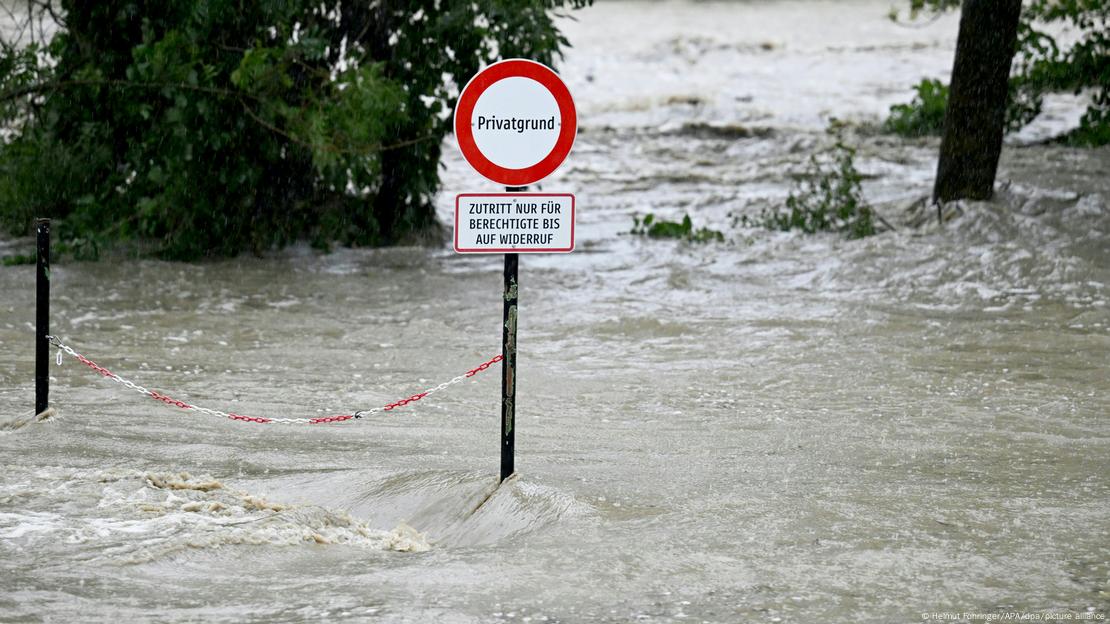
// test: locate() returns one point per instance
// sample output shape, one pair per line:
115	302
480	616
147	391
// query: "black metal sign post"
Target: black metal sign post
42	315
508	368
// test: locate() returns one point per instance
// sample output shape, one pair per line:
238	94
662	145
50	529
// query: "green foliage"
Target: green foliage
924	115
683	230
827	198
208	127
1040	66
17	259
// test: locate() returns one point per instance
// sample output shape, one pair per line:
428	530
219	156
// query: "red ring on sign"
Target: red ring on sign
464	113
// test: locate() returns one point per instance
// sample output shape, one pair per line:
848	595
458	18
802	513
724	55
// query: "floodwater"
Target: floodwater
777	428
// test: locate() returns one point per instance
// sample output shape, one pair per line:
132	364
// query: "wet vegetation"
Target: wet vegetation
653	227
1041	66
827	198
190	129
924	116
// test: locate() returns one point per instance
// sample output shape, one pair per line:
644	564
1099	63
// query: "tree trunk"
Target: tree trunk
976	113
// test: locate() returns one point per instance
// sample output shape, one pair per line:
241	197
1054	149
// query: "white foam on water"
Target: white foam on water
140	516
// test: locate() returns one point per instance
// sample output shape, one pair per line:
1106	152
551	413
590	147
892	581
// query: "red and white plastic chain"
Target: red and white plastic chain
104	372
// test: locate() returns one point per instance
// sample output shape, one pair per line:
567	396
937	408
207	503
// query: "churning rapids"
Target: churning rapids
774	428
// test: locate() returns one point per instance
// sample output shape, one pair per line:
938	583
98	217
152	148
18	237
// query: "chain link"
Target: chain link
104	372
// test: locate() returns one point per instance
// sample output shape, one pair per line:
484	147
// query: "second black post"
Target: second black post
42	315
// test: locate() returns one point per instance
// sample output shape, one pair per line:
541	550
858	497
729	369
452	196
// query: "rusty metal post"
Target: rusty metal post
508	364
508	368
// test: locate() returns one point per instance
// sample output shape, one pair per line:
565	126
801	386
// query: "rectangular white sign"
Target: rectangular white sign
514	223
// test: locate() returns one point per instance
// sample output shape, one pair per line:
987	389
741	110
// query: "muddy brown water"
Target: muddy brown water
775	428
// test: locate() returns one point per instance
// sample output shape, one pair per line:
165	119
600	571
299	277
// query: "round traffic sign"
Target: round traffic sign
515	122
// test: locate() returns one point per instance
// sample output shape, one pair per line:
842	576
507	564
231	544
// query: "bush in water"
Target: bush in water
924	115
684	230
827	198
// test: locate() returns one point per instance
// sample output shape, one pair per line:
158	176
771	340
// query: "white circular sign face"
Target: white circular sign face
508	136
